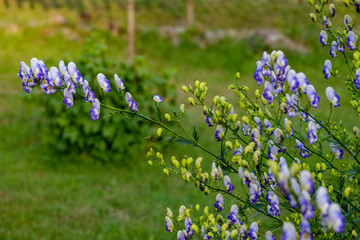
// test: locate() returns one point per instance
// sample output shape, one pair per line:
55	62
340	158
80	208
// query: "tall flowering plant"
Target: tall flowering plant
278	159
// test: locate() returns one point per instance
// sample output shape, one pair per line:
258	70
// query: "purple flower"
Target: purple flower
62	67
274	208
253	231
357	79
233	216
243	232
305	230
258	76
292	81
95	110
313	96
323	37
332	10
265	64
181	235
269	92
348	22
268	126
340	45
238	151
303	82
289	232
326	23
241	175
278	135
312	132
338	152
269	236
273	151
209	121
56	76
351	41
307	209
50	89
327	69
188	225
219	204
131	102
26	88
119	83
303	151
158	99
322	200
254	194
169	224
228	186
74	73
103	82
333	49
36	69
288	128
68	98
306	181
245	129
258	123
335	219
332	96
255	135
219	134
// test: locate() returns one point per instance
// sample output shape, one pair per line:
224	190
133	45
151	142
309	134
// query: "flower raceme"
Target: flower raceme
69	80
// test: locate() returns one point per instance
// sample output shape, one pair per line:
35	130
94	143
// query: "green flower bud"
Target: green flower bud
166	171
198	162
159	132
237	75
150	162
313	17
185	89
182	108
257	93
191	101
167	117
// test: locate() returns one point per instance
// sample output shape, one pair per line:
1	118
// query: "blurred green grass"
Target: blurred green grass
67	200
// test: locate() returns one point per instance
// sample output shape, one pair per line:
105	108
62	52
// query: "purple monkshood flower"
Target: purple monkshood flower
36	69
254	193
357	79
289	232
253	231
245	129
131	102
233	216
289	132
333	49
305	230
56	76
258	123
182	235
243	232
332	10
68	98
238	151
268	126
307	209
326	23
62	67
74	73
313	96
269	92
338	152
306	181
340	45
95	110
273	151
103	82
351	41
169	224
348	22
303	82
312	132
278	135
258	76
209	121
269	236
241	175
119	83
219	134
255	135
303	151
327	69
188	225
265	64
292	81
219	204
274	208
332	96
322	200
323	37
335	219
228	186
50	89
158	99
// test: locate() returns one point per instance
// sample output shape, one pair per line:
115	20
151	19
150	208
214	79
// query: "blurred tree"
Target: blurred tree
190	12
131	29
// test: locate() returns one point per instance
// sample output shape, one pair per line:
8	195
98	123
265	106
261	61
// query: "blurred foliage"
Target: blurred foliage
113	138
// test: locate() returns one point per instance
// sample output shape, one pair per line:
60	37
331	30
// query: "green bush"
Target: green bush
72	135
